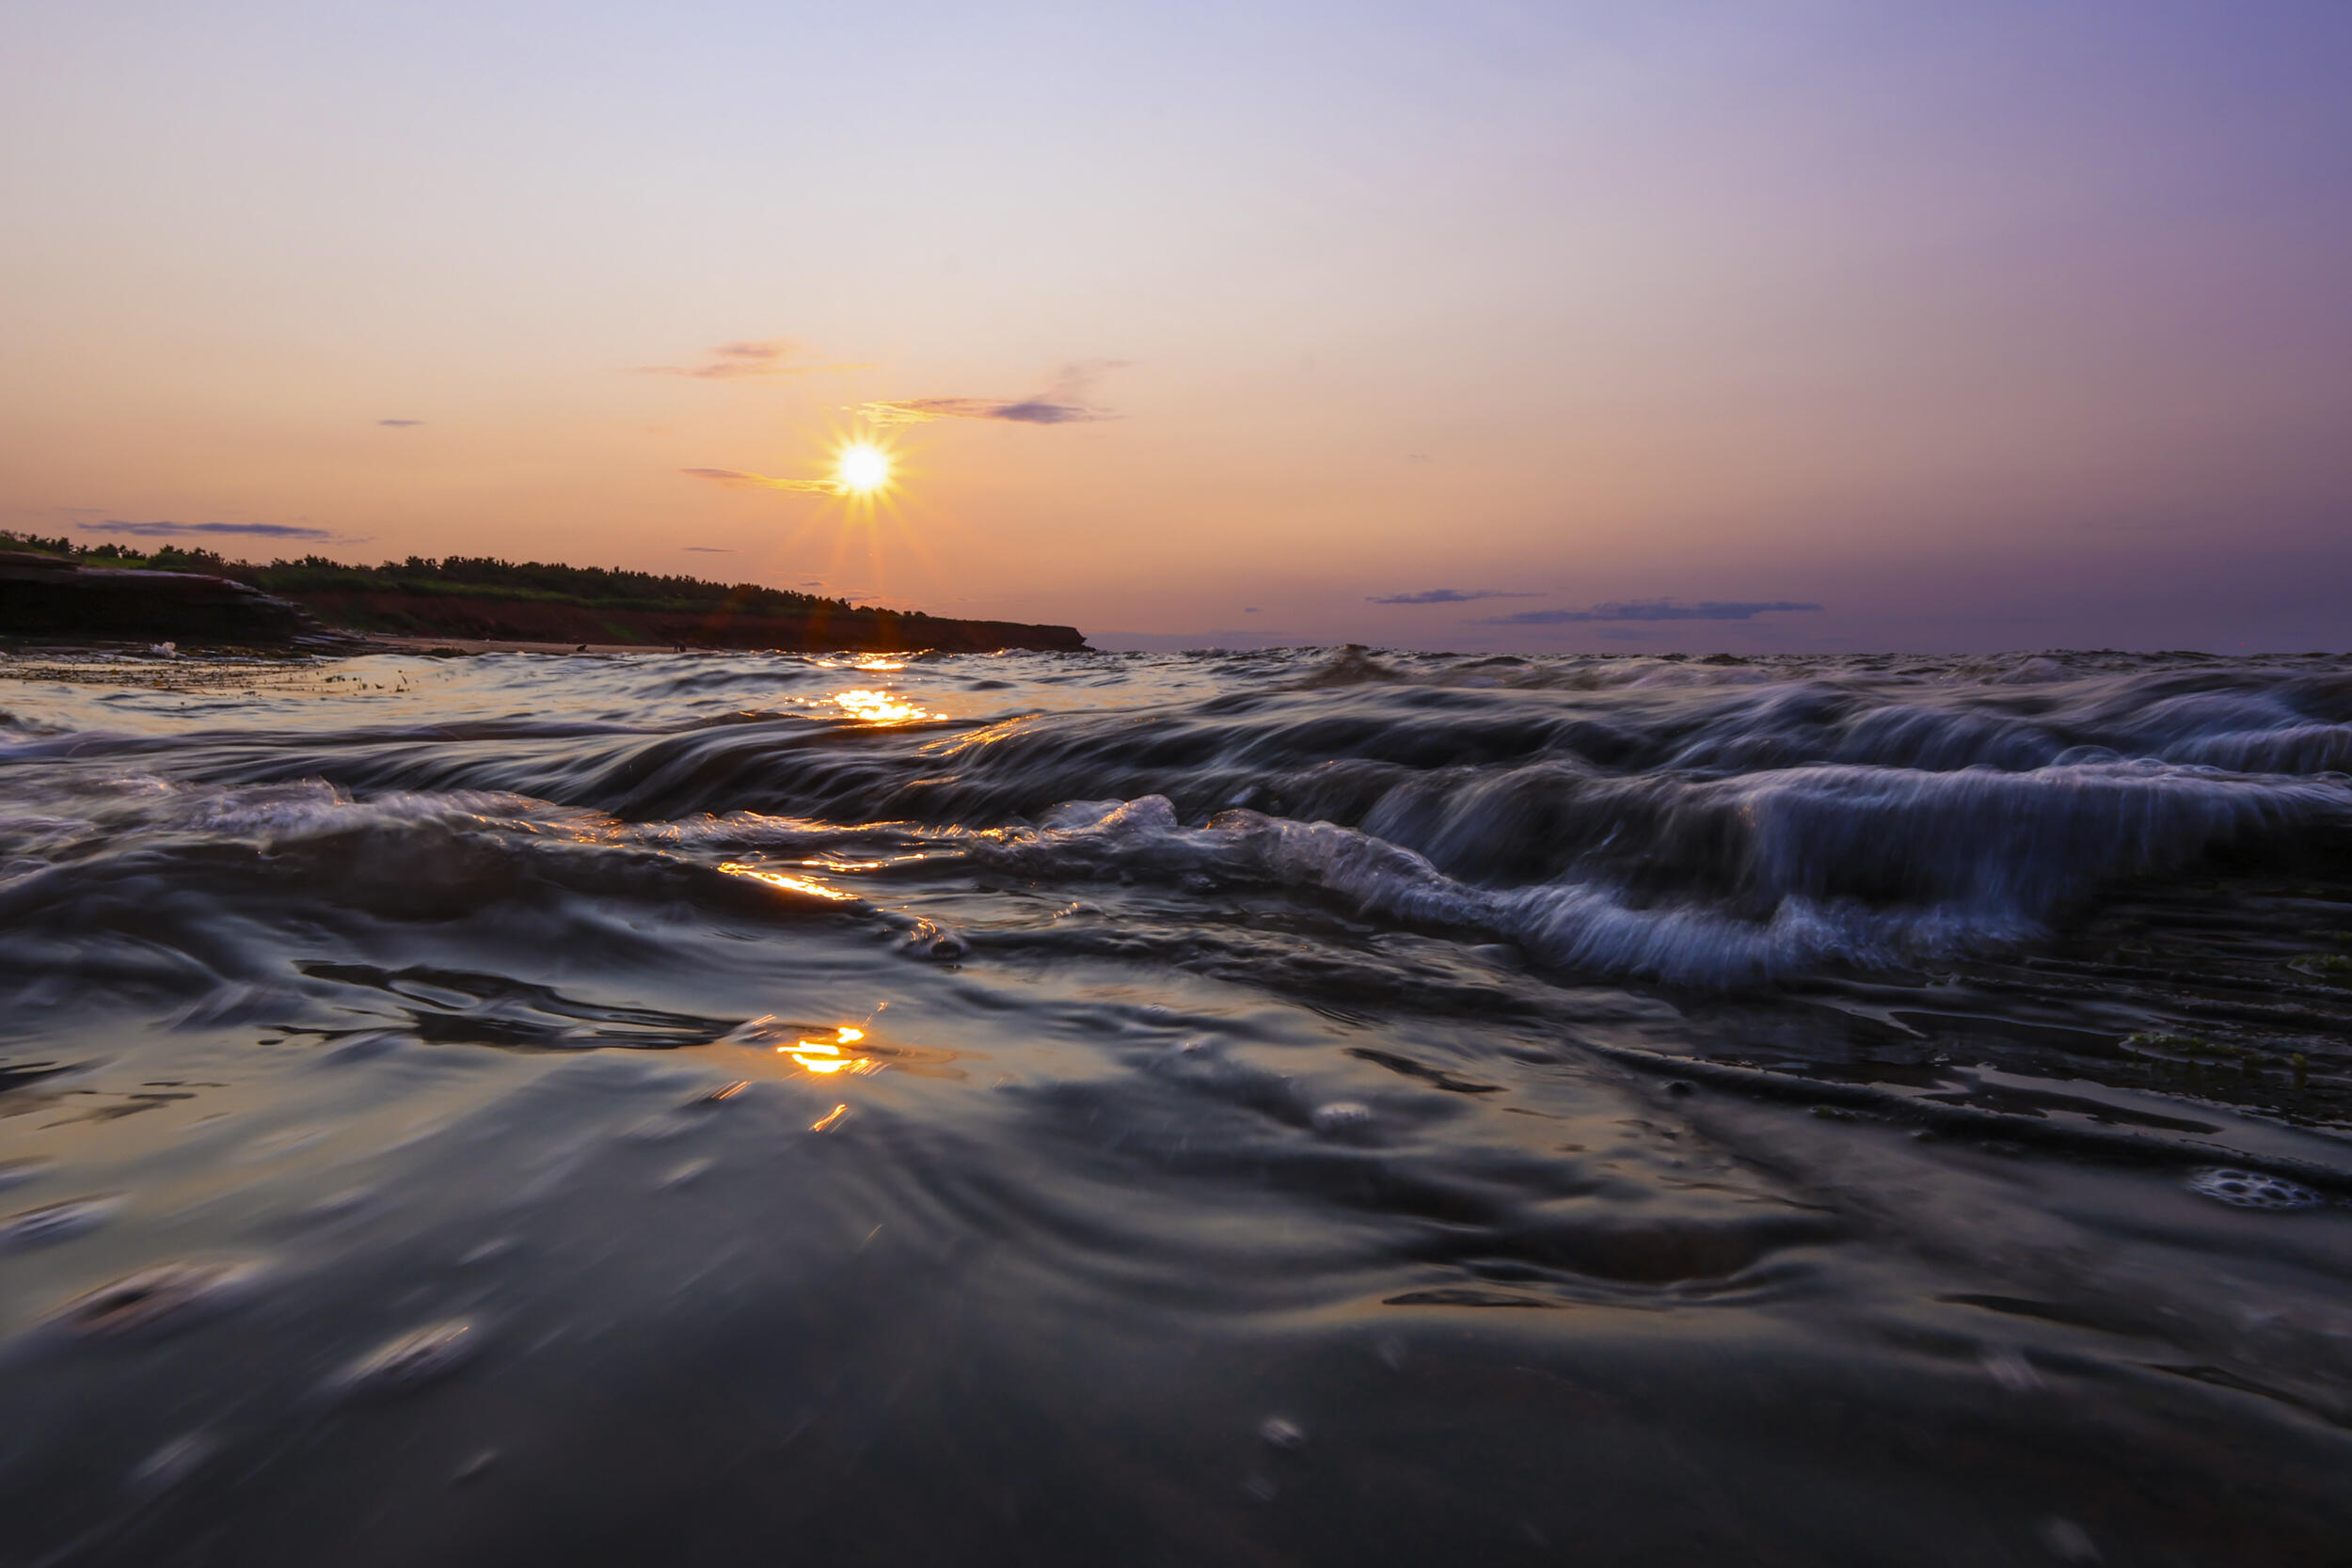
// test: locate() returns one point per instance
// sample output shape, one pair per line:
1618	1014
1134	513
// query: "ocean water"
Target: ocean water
1283	1108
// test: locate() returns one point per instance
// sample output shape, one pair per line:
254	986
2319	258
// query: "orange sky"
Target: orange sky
2011	328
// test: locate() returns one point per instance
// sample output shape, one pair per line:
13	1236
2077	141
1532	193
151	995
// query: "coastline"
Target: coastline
48	599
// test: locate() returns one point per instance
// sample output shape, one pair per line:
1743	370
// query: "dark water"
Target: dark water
1285	1108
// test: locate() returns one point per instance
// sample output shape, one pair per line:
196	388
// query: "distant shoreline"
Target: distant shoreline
52	591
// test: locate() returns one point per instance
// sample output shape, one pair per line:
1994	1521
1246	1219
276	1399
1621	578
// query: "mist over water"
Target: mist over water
1284	1107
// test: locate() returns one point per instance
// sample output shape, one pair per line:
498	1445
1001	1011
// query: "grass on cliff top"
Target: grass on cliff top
458	576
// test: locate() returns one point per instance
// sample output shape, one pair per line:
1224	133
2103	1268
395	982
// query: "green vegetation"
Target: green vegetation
12	540
458	577
2190	1058
472	597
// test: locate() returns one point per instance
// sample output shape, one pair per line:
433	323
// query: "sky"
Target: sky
1755	326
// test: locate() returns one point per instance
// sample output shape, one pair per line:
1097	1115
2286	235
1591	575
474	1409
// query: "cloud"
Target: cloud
1063	403
1449	596
1018	411
1650	610
705	550
736	481
762	360
180	530
401	424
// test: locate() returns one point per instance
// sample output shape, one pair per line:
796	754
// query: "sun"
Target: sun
862	469
868	474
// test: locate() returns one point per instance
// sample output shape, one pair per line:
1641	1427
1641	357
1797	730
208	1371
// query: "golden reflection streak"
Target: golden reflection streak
879	707
826	1057
989	736
829	1119
789	884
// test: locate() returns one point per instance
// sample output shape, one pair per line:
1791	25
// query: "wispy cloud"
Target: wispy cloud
735	479
1018	411
1063	403
401	424
1449	596
705	550
761	360
199	531
1651	610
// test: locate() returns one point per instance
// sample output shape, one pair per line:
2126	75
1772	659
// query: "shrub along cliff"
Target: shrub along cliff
53	588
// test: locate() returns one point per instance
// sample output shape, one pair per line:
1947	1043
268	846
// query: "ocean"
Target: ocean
1300	1107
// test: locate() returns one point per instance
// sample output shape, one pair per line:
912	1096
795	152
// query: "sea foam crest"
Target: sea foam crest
1780	870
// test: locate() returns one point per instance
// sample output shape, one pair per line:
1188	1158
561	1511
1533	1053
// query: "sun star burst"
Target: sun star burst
862	468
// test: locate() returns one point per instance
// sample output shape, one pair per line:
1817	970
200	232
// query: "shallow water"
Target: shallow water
1273	1108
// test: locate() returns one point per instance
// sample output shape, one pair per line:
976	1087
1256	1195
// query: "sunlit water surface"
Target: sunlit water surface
1277	1108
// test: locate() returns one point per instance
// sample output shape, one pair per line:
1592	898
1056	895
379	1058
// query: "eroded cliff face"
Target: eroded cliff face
48	597
821	631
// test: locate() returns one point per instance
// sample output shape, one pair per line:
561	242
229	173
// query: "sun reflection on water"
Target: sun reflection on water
879	707
828	1056
829	1051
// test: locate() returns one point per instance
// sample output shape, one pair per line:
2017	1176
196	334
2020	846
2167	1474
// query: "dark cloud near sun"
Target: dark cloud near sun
200	531
1449	596
1063	403
1652	610
401	424
705	550
765	360
1022	411
736	480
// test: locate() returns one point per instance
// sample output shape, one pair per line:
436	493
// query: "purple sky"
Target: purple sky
1751	326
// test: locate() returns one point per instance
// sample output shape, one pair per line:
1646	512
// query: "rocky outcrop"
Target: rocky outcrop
45	595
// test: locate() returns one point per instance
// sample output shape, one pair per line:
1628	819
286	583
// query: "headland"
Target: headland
53	590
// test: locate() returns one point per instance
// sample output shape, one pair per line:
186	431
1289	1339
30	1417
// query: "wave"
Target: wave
1708	823
157	890
1714	883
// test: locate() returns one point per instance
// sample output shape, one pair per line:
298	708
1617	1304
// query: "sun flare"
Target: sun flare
863	469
